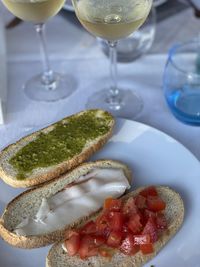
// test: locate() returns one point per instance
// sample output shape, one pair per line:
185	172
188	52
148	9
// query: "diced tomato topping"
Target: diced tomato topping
86	251
116	221
102	221
86	245
89	228
107	202
134	224
149	214
149	191
146	248
71	232
129	207
114	239
150	228
125	228
113	204
140	201
103	232
127	247
92	252
99	240
142	239
155	203
135	249
73	244
142	217
161	221
129	226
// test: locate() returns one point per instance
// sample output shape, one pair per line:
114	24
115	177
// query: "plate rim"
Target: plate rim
162	133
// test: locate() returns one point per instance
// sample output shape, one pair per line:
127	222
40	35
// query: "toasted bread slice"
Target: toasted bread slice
87	121
28	203
57	257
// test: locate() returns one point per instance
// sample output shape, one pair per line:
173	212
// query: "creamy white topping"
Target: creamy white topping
74	202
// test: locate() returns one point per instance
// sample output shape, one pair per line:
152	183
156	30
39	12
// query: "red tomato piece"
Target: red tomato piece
149	191
125	228
92	252
134	224
142	239
113	204
102	225
129	207
161	221
102	221
127	247
99	240
150	228
116	221
71	232
149	214
142	217
89	228
155	203
146	248
73	244
140	201
86	245
107	202
103	232
114	239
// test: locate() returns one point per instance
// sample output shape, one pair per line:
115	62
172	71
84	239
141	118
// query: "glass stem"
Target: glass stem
113	92
48	78
113	67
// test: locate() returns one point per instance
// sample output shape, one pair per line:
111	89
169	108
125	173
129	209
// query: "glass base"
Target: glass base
126	105
61	87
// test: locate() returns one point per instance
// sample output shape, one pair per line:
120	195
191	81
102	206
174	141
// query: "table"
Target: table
76	52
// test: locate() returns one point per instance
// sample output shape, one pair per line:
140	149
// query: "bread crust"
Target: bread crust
42	175
49	188
175	215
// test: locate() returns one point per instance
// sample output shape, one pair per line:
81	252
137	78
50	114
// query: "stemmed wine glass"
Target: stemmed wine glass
113	20
50	85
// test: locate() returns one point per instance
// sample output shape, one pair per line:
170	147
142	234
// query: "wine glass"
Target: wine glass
137	44
50	85
113	20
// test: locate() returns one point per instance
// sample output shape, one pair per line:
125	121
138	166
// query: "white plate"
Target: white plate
155	159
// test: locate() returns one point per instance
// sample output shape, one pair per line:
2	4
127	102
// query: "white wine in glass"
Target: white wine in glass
34	11
113	20
48	86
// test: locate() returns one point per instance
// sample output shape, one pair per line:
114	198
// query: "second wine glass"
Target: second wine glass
113	20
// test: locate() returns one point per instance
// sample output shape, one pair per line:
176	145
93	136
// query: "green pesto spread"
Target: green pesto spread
66	140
